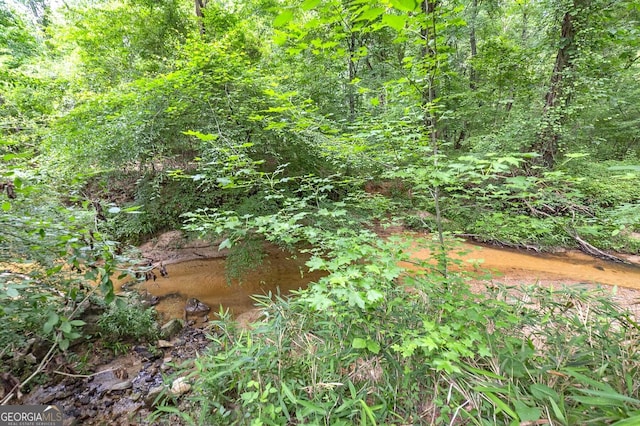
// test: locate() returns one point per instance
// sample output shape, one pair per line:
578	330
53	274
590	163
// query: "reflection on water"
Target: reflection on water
205	279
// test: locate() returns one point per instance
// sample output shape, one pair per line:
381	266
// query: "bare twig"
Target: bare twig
41	367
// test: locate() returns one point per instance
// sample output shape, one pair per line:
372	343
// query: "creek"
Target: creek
205	279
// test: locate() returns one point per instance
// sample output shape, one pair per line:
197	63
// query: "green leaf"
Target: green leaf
611	396
77	323
52	320
225	244
368	412
316	264
500	404
64	344
526	413
288	393
65	327
224	182
542	392
12	292
370	14
6	206
356	299
373	346
631	421
374	295
404	5
201	136
309	4
484	372
557	411
359	343
54	270
396	22
132	209
283	19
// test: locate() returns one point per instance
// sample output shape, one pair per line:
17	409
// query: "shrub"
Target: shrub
127	319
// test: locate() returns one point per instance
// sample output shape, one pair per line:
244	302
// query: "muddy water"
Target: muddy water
572	266
205	279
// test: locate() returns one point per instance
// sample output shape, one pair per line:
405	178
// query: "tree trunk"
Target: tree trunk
351	96
200	5
430	59
556	99
473	43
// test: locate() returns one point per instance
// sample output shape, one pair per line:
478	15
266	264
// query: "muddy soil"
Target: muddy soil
124	390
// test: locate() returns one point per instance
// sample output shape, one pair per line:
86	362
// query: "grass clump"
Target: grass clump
128	320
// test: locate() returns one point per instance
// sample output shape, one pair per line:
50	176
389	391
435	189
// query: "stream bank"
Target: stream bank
126	389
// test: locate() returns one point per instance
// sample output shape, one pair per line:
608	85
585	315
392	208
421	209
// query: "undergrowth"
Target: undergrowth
383	338
357	348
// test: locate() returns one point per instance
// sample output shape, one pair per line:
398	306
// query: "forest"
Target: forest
344	134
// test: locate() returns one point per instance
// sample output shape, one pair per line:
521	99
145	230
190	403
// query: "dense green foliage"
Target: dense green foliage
307	124
428	356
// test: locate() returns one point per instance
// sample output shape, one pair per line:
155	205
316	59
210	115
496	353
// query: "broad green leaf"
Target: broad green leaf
224	182
64	344
225	244
405	5
370	14
12	292
6	206
542	392
283	19
316	264
65	327
52	320
526	413
359	343
309	4
374	295
356	299
397	22
373	346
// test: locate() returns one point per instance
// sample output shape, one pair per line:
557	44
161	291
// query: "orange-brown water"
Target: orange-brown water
205	279
530	267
